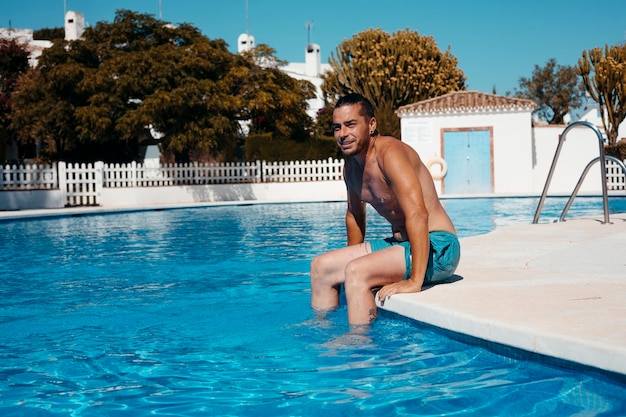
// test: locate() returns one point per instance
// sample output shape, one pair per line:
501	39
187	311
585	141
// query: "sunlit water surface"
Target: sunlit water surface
205	311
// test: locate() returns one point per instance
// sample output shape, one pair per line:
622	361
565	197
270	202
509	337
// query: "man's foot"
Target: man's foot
349	340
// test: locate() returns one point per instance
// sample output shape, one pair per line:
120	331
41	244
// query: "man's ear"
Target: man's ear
372	125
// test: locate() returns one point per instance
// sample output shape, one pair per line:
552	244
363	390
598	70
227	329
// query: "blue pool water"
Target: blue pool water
205	312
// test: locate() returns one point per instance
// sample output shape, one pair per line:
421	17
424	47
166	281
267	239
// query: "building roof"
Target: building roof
466	102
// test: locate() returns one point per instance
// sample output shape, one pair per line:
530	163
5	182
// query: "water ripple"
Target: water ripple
206	312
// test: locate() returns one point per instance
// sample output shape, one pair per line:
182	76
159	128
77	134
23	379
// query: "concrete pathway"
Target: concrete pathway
556	289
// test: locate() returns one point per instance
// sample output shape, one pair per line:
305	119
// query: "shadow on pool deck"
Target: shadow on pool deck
556	289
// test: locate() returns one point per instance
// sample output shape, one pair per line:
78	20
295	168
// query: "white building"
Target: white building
475	135
479	144
74	25
310	70
25	38
245	43
74	29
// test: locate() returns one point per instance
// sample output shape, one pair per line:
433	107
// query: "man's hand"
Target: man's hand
400	287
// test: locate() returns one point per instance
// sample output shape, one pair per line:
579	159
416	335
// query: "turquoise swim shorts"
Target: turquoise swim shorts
445	253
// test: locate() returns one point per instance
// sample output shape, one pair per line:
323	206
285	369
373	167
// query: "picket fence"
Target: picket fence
83	183
615	176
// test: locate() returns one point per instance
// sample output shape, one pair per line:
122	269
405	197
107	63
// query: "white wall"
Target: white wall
292	192
125	197
298	70
31	199
23	36
522	154
512	152
511	145
74	25
580	147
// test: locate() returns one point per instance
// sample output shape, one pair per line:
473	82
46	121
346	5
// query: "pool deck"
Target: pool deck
555	289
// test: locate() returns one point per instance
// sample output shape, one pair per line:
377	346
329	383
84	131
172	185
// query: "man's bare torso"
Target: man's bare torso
374	188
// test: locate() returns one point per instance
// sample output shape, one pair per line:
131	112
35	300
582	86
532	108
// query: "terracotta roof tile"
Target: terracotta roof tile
467	102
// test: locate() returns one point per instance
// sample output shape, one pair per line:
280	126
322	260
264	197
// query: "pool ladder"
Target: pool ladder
602	158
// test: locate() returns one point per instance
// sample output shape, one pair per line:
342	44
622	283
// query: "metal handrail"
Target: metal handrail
601	158
582	178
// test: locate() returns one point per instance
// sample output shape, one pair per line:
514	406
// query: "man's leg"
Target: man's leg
364	273
328	273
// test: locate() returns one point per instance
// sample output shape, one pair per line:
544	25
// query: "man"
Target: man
389	175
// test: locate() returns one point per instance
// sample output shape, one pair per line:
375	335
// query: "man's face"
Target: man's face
351	129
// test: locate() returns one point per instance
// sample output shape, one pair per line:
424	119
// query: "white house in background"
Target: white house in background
25	37
487	144
74	25
245	43
74	28
479	137
310	70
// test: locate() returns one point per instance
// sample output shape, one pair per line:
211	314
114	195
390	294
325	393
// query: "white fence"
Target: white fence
28	177
300	171
138	175
82	184
614	176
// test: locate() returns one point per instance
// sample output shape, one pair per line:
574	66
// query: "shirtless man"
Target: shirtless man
389	175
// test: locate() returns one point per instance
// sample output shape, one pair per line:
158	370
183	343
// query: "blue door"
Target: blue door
468	154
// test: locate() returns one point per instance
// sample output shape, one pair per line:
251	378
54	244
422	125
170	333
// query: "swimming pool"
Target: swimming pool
205	311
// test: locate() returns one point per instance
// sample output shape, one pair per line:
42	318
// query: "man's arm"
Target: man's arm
355	219
404	182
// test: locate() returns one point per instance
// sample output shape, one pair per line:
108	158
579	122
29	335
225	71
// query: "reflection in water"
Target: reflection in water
200	311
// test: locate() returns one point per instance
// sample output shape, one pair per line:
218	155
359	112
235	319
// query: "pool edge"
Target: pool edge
540	288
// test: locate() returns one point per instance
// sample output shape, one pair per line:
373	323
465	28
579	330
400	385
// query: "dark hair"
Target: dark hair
354	98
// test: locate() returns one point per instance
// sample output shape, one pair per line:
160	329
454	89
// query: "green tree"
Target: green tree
391	71
46	99
97	98
13	63
604	77
273	101
49	33
556	88
323	126
164	77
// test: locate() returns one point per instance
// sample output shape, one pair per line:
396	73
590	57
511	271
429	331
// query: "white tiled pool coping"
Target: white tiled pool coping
556	289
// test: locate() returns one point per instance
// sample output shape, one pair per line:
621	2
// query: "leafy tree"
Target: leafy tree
47	98
165	77
271	99
97	98
49	33
323	126
391	71
13	63
607	84
556	89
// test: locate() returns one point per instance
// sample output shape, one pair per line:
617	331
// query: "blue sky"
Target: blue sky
495	41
